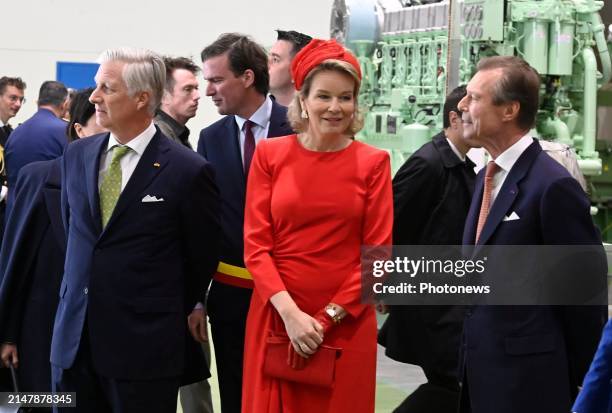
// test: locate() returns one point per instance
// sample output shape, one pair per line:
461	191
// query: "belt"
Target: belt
233	275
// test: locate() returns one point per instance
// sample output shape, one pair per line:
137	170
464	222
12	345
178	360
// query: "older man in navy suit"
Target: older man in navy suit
141	218
524	359
236	70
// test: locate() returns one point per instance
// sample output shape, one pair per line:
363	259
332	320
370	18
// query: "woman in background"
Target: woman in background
313	200
32	260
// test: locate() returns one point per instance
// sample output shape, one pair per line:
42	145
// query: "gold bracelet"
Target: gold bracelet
334	312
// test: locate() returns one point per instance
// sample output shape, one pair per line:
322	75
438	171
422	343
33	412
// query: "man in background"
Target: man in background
11	99
288	44
179	104
236	70
180	100
40	138
432	192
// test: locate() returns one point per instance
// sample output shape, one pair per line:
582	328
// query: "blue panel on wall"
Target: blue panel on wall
77	75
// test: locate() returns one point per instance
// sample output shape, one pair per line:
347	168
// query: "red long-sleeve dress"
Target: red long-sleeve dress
307	215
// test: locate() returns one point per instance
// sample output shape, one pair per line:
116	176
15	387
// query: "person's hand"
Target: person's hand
305	333
8	353
197	325
295	360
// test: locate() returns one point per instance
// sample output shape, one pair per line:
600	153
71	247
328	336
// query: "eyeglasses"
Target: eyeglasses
15	98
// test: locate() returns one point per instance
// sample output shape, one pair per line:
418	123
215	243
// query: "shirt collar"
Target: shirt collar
261	117
178	128
455	150
509	157
138	144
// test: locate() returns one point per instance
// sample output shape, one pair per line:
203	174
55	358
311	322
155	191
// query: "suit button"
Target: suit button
85	290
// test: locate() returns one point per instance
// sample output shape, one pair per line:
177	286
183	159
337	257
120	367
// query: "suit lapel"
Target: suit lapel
278	121
52	197
469	232
92	171
509	191
152	161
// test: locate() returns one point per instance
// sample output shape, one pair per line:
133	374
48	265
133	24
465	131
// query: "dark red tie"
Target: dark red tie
249	146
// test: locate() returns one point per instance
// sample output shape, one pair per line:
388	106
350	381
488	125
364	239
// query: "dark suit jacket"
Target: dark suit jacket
596	393
219	144
133	283
4	135
432	192
40	138
526	358
31	266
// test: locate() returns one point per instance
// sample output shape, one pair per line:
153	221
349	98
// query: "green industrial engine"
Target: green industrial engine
411	53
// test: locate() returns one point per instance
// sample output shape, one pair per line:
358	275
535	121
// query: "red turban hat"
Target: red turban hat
316	52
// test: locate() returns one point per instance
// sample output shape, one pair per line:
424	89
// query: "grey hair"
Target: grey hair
144	71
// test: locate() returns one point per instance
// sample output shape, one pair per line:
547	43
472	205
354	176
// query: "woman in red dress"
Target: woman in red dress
313	200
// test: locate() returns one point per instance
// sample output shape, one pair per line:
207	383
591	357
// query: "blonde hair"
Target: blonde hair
294	112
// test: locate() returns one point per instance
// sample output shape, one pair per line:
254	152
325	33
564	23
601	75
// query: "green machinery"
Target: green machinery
411	54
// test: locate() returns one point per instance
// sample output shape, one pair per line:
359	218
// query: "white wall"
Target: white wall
35	34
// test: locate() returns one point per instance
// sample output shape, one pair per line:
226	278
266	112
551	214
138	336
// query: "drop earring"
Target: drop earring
304	114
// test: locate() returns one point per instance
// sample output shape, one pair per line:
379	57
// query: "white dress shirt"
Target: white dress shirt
506	161
130	160
4	189
455	150
261	119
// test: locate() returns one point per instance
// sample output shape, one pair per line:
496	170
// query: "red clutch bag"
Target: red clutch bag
319	370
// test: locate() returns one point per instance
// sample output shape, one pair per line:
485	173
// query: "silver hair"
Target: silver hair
144	71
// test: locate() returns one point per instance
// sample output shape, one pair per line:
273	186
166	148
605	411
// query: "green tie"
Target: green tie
111	185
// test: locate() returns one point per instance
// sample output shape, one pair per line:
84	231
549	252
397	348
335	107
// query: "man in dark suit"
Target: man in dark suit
31	267
141	219
432	192
522	358
236	70
179	104
40	138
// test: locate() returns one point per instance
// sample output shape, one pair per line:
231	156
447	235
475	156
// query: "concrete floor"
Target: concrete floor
394	381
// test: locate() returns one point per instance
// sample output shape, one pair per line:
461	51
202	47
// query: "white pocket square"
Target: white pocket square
512	217
153	198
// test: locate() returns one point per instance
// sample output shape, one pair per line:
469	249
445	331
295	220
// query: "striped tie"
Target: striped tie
111	185
492	169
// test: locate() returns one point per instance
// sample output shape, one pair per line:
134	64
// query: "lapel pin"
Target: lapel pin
156	164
